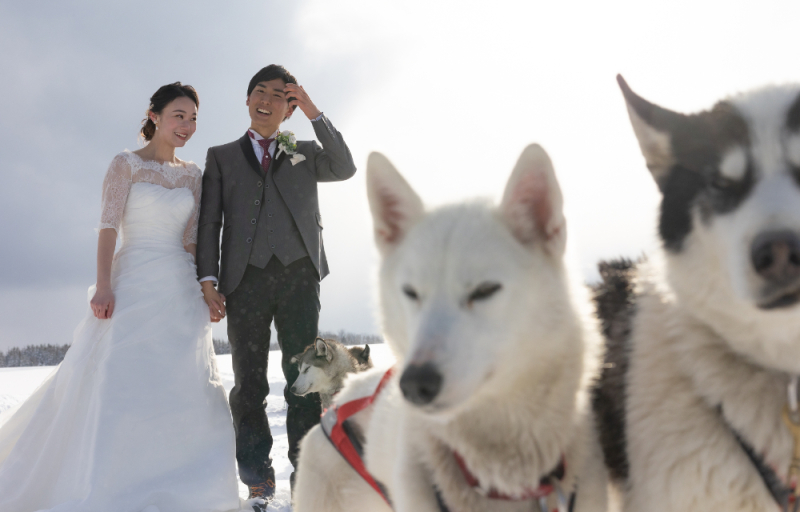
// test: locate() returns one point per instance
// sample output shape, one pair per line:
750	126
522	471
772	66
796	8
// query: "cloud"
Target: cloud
450	91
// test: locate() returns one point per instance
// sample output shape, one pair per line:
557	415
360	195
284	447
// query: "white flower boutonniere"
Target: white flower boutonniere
287	143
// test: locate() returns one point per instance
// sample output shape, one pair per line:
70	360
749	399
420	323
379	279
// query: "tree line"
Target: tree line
33	355
344	337
51	355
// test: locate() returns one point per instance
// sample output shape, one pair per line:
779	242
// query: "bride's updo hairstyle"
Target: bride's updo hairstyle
163	97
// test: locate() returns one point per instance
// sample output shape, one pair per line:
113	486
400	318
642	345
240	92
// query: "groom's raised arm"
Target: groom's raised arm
210	221
334	162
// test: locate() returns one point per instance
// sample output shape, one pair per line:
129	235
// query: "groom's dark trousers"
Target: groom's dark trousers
266	218
289	295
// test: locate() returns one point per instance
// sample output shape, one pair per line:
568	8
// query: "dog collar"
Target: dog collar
337	429
548	485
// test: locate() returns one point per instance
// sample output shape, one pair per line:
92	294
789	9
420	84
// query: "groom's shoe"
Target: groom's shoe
264	490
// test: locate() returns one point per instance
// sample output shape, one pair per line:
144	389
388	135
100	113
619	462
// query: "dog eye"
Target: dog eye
410	292
722	183
484	291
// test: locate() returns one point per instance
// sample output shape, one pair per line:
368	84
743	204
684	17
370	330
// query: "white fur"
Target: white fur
310	380
700	341
324	480
516	366
682	456
765	111
734	164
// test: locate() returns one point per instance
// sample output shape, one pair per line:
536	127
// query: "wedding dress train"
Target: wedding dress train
135	418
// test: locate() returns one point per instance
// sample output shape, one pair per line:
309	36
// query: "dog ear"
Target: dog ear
364	357
532	204
295	359
654	127
394	204
322	349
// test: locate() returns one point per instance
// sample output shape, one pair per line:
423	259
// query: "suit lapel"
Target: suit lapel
250	154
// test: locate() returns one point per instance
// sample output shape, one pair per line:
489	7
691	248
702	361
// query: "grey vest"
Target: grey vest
276	232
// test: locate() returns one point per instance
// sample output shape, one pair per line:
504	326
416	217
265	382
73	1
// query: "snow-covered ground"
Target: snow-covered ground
16	384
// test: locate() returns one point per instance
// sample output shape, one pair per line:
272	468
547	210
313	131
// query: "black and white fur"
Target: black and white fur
323	366
705	337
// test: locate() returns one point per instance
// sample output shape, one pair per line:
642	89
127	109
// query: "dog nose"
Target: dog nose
776	256
421	383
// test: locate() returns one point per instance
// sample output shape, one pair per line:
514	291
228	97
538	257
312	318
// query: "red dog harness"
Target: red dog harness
546	484
344	438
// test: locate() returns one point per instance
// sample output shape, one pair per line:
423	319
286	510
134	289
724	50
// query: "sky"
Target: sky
451	92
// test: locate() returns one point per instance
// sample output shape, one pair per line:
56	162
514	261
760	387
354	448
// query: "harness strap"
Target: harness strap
345	441
780	492
545	488
548	485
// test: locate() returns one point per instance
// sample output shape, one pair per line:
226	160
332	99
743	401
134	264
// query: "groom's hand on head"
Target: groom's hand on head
297	95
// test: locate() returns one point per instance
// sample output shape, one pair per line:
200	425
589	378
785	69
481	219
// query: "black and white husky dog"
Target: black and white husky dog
697	400
324	365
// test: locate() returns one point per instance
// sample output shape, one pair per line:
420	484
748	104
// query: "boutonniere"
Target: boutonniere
287	143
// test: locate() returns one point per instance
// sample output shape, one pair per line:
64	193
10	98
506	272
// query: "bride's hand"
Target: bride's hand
214	300
103	303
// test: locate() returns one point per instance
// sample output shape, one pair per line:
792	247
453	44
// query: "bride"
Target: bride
135	418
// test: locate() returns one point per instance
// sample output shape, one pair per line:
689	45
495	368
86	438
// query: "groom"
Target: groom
265	202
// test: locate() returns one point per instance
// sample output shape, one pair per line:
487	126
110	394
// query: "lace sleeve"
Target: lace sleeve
116	186
190	235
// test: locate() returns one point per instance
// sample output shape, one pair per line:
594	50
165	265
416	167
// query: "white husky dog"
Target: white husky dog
488	405
707	359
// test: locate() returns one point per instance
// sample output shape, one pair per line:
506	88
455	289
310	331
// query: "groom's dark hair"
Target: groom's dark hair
271	72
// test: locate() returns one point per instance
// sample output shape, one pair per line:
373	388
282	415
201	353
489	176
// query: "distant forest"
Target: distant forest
347	338
51	355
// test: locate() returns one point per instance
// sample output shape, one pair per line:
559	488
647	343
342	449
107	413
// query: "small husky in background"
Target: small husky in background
488	406
698	400
323	366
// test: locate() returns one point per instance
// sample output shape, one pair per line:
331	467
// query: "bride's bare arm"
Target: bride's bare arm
103	301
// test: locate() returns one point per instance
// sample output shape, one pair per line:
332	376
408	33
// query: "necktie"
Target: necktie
264	143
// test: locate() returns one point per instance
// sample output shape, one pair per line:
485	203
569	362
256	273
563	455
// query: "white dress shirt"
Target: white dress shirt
257	147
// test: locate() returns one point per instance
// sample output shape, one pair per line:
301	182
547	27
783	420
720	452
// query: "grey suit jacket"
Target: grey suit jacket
232	184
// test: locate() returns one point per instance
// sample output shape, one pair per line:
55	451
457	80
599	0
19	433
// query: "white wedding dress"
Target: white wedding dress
135	418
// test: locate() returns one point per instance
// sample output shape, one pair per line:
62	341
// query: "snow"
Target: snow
16	384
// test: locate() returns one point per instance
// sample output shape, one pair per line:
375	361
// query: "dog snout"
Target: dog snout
776	257
421	383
